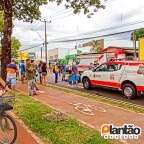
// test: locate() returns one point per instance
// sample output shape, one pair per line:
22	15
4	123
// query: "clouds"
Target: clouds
65	23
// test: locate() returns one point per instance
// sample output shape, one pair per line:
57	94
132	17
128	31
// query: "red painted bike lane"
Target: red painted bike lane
102	113
24	137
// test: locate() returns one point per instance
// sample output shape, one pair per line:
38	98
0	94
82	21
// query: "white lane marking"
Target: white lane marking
88	109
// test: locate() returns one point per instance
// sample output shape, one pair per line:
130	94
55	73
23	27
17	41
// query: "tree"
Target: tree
28	10
96	47
15	46
1	21
137	34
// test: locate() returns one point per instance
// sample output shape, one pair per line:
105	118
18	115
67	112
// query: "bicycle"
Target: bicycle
8	128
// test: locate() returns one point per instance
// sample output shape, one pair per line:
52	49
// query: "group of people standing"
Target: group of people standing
67	73
31	71
42	71
28	71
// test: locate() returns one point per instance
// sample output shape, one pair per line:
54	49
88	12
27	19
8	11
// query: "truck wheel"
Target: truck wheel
86	83
129	91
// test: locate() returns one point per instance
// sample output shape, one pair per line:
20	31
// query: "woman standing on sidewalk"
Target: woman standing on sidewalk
44	72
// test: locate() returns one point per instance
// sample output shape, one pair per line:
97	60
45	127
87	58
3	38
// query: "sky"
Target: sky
119	15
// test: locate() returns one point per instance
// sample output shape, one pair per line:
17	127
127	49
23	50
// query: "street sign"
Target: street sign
22	55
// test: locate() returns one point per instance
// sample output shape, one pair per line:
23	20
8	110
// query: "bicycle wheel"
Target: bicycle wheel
8	130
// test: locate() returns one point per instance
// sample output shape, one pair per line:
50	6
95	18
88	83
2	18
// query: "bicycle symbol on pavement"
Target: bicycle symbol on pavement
88	109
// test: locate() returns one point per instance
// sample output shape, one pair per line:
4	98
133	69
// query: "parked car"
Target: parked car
126	76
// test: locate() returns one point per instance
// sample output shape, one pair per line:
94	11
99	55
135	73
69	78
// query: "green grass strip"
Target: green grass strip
119	103
68	131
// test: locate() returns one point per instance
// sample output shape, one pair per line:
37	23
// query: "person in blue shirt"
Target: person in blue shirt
22	70
74	78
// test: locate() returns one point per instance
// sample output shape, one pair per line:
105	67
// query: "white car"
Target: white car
126	76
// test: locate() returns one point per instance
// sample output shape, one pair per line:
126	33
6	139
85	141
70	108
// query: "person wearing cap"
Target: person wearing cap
11	74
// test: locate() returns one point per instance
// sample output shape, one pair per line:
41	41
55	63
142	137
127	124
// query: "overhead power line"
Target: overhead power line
73	40
68	41
62	40
93	37
114	27
61	12
100	30
66	15
31	47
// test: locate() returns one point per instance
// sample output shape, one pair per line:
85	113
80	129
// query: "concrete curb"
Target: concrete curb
36	138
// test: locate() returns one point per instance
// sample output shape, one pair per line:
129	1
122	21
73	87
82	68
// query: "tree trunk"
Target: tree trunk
6	39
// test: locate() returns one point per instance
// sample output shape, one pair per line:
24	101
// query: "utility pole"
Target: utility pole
46	56
46	42
76	47
41	52
134	44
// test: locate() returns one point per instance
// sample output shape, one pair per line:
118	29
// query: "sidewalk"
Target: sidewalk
23	136
103	113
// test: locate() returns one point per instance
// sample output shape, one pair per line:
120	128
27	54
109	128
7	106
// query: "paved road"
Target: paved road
101	91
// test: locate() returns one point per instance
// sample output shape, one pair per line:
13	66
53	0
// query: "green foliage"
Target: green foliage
69	58
28	10
137	34
62	61
15	46
88	6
